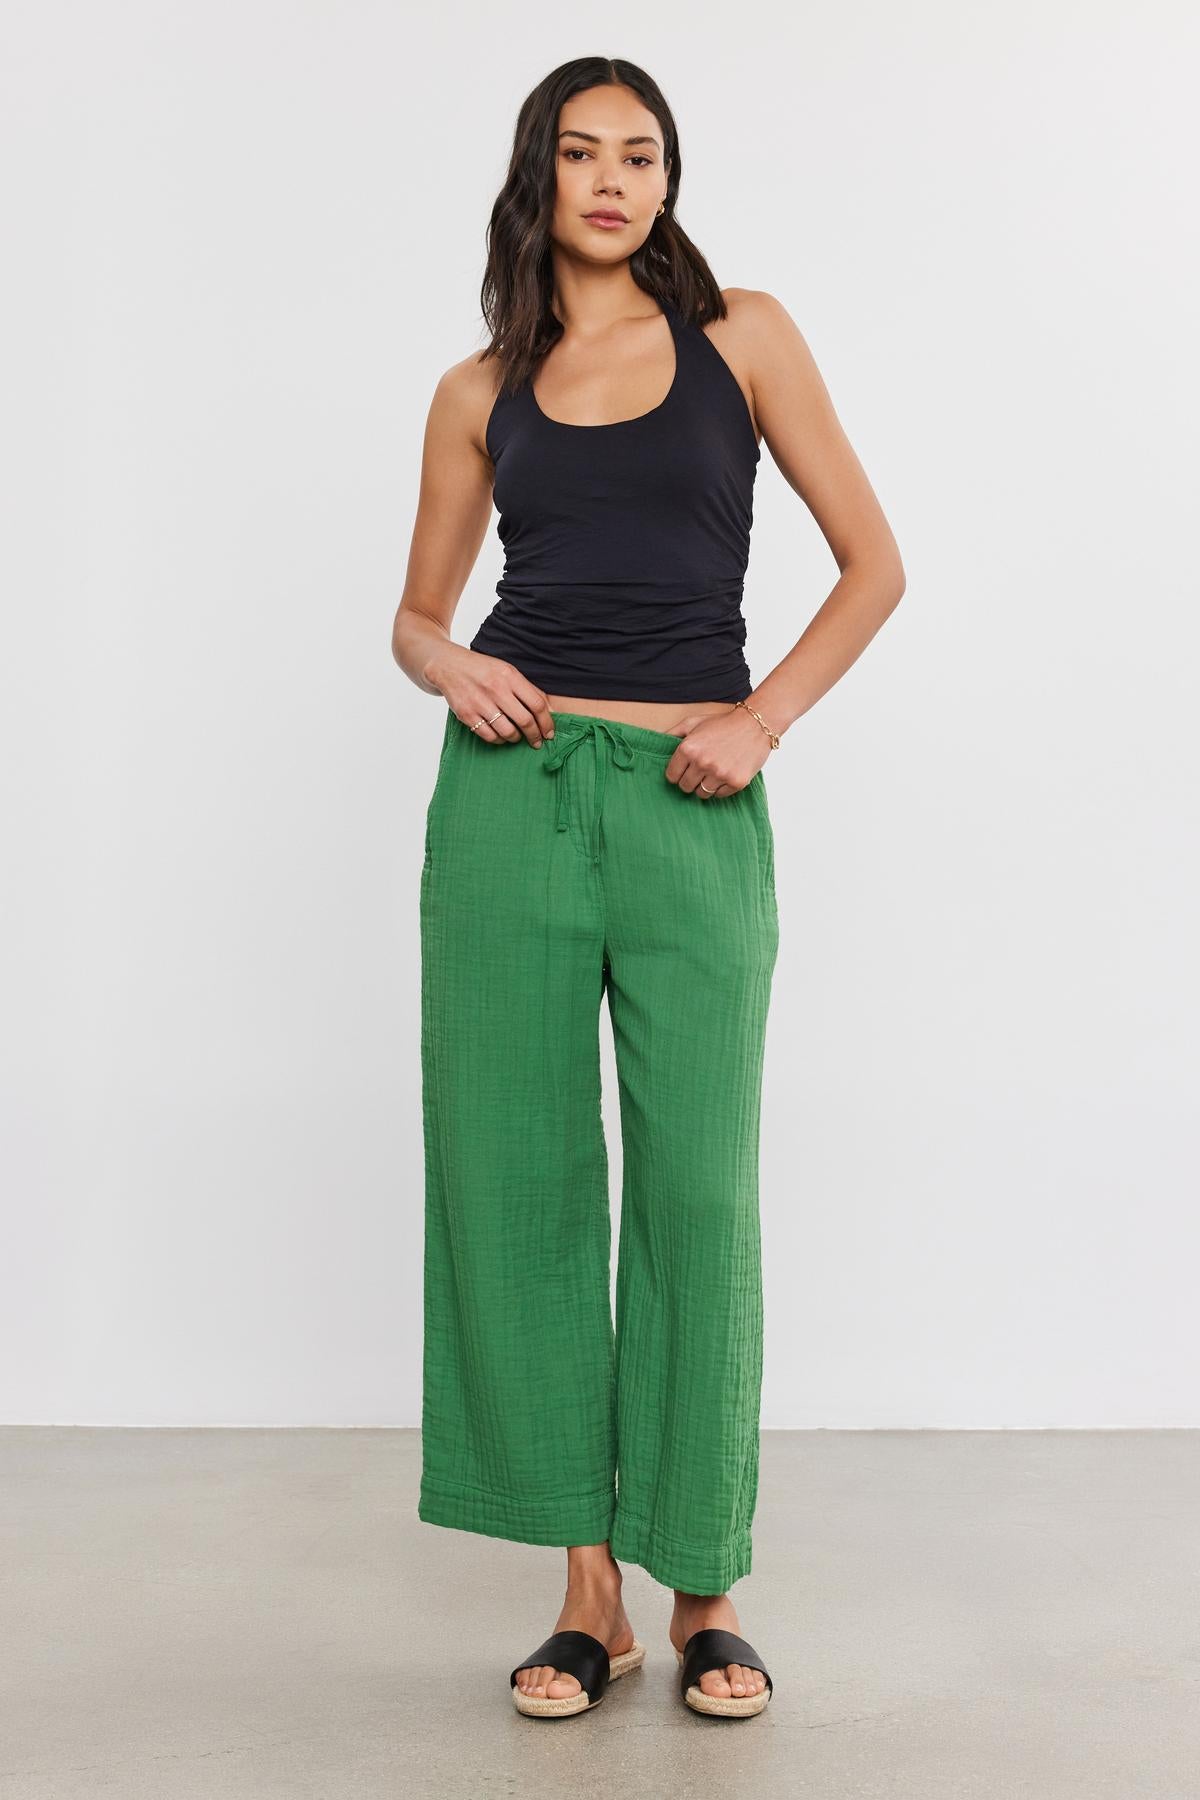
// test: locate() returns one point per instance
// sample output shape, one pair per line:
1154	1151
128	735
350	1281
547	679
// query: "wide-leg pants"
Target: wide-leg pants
551	878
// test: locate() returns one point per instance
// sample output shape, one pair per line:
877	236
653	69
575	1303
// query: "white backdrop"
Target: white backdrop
242	243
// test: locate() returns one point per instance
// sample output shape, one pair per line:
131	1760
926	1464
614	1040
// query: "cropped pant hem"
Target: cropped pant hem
692	1568
578	1520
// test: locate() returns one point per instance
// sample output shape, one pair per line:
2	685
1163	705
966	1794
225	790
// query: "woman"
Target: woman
599	826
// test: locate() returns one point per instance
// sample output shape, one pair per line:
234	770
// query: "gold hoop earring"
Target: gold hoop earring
663	207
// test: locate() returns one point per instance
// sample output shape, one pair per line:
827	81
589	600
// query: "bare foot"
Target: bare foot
700	1612
593	1604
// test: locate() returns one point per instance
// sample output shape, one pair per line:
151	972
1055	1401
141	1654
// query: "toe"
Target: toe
713	1683
736	1677
562	1687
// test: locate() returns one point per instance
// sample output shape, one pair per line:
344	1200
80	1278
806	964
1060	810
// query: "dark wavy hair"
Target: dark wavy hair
517	283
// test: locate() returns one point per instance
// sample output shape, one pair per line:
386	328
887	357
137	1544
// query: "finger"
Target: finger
704	786
538	705
502	728
677	767
689	778
476	721
523	721
530	704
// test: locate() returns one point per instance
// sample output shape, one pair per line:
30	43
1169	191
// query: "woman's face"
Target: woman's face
610	160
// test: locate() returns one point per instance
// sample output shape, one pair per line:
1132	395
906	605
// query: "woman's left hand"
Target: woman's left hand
725	751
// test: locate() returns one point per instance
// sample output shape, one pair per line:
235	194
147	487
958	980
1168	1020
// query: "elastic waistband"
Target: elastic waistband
638	737
572	724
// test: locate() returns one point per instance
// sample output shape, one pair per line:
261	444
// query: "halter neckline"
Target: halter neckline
673	320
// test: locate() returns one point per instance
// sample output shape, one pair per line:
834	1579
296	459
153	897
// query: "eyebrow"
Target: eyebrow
593	139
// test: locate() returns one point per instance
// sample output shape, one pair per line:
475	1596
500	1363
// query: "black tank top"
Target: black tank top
626	545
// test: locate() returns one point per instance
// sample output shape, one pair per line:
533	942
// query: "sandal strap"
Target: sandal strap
577	1653
715	1649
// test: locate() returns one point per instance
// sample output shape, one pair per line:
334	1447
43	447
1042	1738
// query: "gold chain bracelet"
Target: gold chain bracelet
773	735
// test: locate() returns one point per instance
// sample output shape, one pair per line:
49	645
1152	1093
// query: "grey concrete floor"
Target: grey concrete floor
260	1613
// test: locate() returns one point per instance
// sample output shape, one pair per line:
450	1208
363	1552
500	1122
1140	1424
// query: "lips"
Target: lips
606	216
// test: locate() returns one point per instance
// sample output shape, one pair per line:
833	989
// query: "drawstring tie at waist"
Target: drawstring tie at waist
564	744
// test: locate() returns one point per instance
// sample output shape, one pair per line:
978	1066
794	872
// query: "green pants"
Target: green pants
551	878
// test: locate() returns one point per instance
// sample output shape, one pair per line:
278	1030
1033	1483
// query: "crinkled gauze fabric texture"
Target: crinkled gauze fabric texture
626	545
551	878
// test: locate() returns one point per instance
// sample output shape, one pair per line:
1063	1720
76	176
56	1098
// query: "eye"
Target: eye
574	150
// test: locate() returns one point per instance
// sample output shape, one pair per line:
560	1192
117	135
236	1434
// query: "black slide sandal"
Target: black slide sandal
579	1654
715	1649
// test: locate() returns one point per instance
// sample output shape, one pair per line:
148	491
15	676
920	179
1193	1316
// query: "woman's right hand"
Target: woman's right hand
476	687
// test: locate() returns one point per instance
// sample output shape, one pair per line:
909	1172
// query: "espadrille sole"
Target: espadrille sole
545	1708
733	1708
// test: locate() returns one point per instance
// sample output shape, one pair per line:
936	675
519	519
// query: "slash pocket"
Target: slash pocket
431	809
766	831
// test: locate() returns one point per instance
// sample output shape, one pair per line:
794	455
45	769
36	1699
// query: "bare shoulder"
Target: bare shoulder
464	397
768	349
753	321
758	322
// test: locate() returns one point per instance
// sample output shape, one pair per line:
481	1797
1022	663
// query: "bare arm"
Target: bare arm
786	394
454	506
810	448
